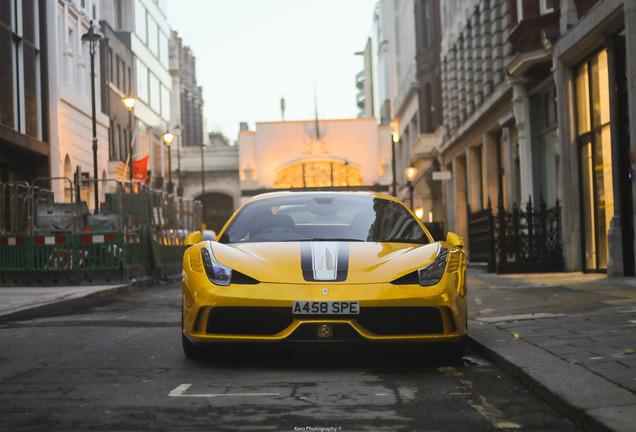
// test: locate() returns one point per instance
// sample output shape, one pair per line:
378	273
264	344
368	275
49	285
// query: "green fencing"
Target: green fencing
133	235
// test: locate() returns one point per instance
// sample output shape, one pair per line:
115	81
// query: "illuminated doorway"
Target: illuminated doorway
310	174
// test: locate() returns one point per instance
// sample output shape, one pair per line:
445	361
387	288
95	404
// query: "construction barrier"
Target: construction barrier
135	233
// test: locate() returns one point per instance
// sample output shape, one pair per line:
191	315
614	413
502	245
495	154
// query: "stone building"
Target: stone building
118	80
348	154
480	139
70	97
143	25
594	62
25	137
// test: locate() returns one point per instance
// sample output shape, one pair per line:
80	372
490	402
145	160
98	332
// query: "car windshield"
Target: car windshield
324	217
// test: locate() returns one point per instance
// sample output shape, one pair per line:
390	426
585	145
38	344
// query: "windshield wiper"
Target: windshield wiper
398	240
330	239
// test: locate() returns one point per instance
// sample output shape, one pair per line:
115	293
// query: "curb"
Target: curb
64	298
590	401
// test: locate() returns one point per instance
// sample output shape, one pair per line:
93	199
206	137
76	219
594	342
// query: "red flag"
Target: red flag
140	169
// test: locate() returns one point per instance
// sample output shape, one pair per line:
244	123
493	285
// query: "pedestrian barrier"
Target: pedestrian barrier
135	233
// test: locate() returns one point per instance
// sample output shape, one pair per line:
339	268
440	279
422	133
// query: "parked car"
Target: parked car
323	266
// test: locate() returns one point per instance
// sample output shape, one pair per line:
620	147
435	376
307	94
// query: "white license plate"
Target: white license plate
326	308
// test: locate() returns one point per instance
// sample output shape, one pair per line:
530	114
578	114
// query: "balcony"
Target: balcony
526	36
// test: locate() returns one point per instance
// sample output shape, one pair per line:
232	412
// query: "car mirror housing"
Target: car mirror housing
454	239
193	238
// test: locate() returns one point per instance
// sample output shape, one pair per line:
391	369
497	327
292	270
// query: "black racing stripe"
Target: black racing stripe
343	262
306	263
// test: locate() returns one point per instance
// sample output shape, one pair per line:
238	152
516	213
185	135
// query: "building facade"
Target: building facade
594	62
70	98
345	154
479	138
25	146
117	83
428	194
145	29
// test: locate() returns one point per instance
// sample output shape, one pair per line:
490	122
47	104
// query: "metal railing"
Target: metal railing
522	240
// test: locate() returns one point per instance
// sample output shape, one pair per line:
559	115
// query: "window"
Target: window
142	81
324	216
165	102
595	158
20	74
140	21
425	24
547	6
153	36
117	76
163	48
119	15
155	93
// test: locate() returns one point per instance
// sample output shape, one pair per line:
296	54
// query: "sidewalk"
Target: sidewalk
20	299
570	337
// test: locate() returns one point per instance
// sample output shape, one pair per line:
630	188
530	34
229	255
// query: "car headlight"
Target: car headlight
432	273
217	272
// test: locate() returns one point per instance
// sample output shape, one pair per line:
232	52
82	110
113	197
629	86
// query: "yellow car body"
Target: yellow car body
323	289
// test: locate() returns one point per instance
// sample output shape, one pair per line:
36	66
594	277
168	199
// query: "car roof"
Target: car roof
282	194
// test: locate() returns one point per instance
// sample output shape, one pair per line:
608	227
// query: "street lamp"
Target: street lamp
178	129
93	39
410	172
167	138
129	102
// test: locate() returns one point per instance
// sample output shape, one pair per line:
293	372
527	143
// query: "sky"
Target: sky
250	53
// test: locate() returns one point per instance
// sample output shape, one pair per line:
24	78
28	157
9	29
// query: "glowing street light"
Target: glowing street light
410	172
129	102
167	138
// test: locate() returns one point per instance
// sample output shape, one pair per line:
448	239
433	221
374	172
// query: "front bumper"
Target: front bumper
387	314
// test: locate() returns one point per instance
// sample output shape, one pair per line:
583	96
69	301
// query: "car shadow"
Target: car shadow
385	358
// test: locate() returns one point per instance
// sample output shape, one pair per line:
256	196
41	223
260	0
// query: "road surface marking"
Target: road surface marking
180	390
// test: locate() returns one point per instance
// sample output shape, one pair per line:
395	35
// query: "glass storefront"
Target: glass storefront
595	158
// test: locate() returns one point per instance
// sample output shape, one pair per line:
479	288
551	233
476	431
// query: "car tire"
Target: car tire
191	350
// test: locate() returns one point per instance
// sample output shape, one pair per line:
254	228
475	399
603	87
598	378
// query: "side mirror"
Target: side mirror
454	239
193	238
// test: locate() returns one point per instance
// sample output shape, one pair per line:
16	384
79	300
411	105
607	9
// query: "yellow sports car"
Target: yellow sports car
323	266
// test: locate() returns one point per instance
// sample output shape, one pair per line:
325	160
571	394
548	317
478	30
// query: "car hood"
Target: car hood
325	262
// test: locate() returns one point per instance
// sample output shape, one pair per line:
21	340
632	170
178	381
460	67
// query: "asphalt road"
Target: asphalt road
115	364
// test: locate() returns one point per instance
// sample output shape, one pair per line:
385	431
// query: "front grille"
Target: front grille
394	321
258	321
381	321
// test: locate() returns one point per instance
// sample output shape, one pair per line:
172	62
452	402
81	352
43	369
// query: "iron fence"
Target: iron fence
524	239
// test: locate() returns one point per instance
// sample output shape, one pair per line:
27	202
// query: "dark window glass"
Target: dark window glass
324	217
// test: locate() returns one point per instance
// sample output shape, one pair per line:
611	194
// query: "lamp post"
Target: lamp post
202	182
394	139
167	138
410	172
178	129
129	102
93	39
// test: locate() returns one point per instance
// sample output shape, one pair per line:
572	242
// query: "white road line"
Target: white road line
180	390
